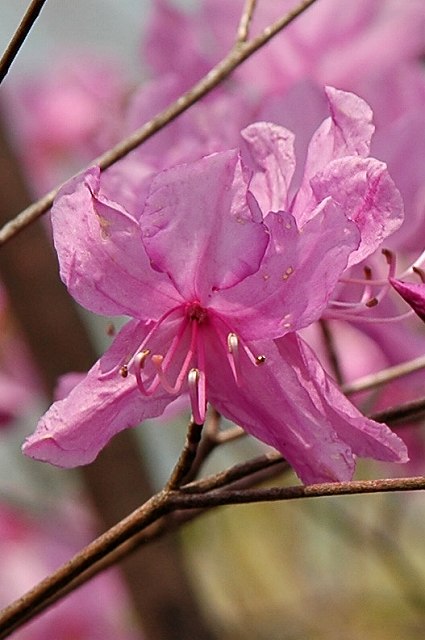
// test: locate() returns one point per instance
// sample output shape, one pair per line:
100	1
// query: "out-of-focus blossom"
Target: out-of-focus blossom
31	549
63	118
219	270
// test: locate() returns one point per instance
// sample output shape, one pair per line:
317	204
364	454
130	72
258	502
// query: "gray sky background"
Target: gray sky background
113	26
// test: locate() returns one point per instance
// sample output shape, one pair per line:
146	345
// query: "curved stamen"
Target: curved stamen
253	358
160	363
196	382
139	363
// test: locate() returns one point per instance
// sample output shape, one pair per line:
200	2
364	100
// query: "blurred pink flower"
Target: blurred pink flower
30	549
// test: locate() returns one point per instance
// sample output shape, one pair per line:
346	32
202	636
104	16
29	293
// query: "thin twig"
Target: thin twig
167	502
386	375
245	21
233	474
402	412
23	609
165	525
19	36
237	55
331	350
187	456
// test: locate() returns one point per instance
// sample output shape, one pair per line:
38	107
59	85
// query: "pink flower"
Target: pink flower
217	286
31	548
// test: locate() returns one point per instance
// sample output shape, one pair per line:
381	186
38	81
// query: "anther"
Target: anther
233	357
260	360
123	371
419	272
140	358
232	343
367	273
372	302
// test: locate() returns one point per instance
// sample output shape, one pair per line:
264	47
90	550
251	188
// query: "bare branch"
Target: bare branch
187	456
19	36
237	55
409	411
386	375
245	21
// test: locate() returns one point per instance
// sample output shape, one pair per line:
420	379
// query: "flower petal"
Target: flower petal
296	278
272	404
365	437
75	429
198	227
269	153
364	190
347	132
290	403
101	254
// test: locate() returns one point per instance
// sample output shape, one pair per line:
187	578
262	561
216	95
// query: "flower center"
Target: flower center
184	354
194	311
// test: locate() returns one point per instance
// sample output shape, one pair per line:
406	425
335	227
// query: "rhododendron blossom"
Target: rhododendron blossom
218	278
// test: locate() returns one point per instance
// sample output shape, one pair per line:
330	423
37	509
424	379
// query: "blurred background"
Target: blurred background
334	568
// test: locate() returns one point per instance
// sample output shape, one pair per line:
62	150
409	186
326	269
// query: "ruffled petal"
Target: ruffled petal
269	153
296	278
75	429
198	227
364	190
347	132
101	254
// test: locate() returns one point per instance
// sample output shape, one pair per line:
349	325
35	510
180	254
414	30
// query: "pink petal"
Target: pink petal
75	429
269	153
364	190
413	294
290	403
296	278
272	405
365	437
101	255
198	228
346	133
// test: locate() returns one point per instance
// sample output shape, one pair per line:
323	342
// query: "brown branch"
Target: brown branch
19	36
407	411
239	52
187	456
245	21
386	375
164	526
167	502
23	609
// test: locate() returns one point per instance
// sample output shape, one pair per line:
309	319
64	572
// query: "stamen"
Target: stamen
139	363
196	382
233	355
259	360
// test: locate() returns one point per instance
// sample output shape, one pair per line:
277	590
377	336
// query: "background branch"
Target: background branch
19	36
239	52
